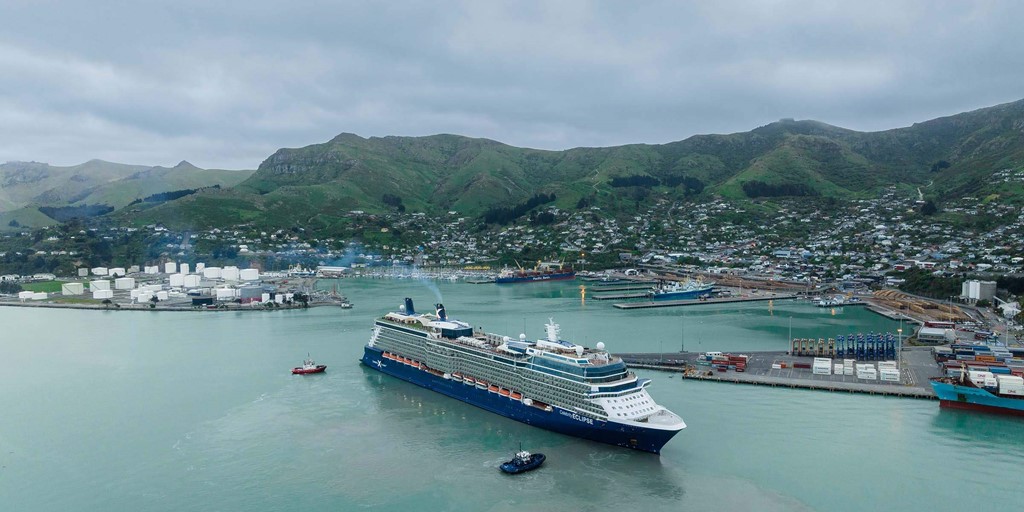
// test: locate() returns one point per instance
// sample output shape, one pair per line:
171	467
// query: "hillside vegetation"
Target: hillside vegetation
979	153
35	194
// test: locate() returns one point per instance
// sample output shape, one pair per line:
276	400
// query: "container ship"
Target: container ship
981	391
548	383
543	271
692	289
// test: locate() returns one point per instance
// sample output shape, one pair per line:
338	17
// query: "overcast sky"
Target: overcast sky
224	84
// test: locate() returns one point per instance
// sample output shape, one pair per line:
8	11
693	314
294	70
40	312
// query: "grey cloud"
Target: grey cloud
224	84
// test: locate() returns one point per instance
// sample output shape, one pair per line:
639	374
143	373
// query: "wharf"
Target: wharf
691	302
619	296
620	288
617	285
918	367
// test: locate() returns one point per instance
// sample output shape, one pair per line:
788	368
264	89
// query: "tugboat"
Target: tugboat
523	461
309	366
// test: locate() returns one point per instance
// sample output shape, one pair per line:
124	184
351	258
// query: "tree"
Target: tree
9	287
929	208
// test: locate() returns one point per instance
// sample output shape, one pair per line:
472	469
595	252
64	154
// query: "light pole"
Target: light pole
899	344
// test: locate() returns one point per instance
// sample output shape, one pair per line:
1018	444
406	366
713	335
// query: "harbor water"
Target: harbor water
197	411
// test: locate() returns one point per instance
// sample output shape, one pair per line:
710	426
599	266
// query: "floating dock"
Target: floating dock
692	302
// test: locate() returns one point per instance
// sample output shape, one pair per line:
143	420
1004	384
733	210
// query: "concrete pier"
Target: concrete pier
692	302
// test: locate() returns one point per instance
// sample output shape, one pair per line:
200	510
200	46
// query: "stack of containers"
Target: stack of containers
739	362
983	379
1010	385
888	371
822	366
848	366
867	372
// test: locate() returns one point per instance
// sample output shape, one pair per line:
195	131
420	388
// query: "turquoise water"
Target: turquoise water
120	411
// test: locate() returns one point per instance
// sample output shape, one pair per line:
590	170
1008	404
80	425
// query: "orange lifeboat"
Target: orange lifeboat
503	392
492	388
516	396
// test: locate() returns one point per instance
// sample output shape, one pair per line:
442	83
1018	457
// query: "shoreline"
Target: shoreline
143	307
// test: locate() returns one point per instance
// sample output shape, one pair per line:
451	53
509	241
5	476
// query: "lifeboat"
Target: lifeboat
481	384
492	388
469	380
503	392
516	396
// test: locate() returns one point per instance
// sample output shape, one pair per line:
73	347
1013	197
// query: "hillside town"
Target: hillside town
860	244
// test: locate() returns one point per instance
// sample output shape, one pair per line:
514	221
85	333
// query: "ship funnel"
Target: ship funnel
440	312
409	310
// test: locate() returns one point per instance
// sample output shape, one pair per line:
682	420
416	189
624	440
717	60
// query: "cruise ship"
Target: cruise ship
549	383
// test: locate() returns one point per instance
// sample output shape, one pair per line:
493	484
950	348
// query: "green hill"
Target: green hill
28	186
315	186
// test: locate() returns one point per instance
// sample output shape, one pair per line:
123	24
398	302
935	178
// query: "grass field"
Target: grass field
44	286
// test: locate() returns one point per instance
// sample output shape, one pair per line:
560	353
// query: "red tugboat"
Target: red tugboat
309	366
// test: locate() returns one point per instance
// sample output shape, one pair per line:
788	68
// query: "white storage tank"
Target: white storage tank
103	294
152	288
250	274
229	273
124	283
170	267
177	280
99	271
25	295
83	272
161	295
191	281
134	294
265	297
225	293
211	272
99	285
183	268
72	289
119	271
153	269
143	297
39	296
200	266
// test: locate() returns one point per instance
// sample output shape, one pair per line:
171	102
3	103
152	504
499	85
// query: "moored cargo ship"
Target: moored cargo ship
690	289
549	383
543	271
981	391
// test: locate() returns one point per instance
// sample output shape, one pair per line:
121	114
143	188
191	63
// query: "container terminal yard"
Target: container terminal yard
780	369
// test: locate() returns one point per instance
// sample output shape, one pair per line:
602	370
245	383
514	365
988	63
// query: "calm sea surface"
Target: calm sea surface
129	411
